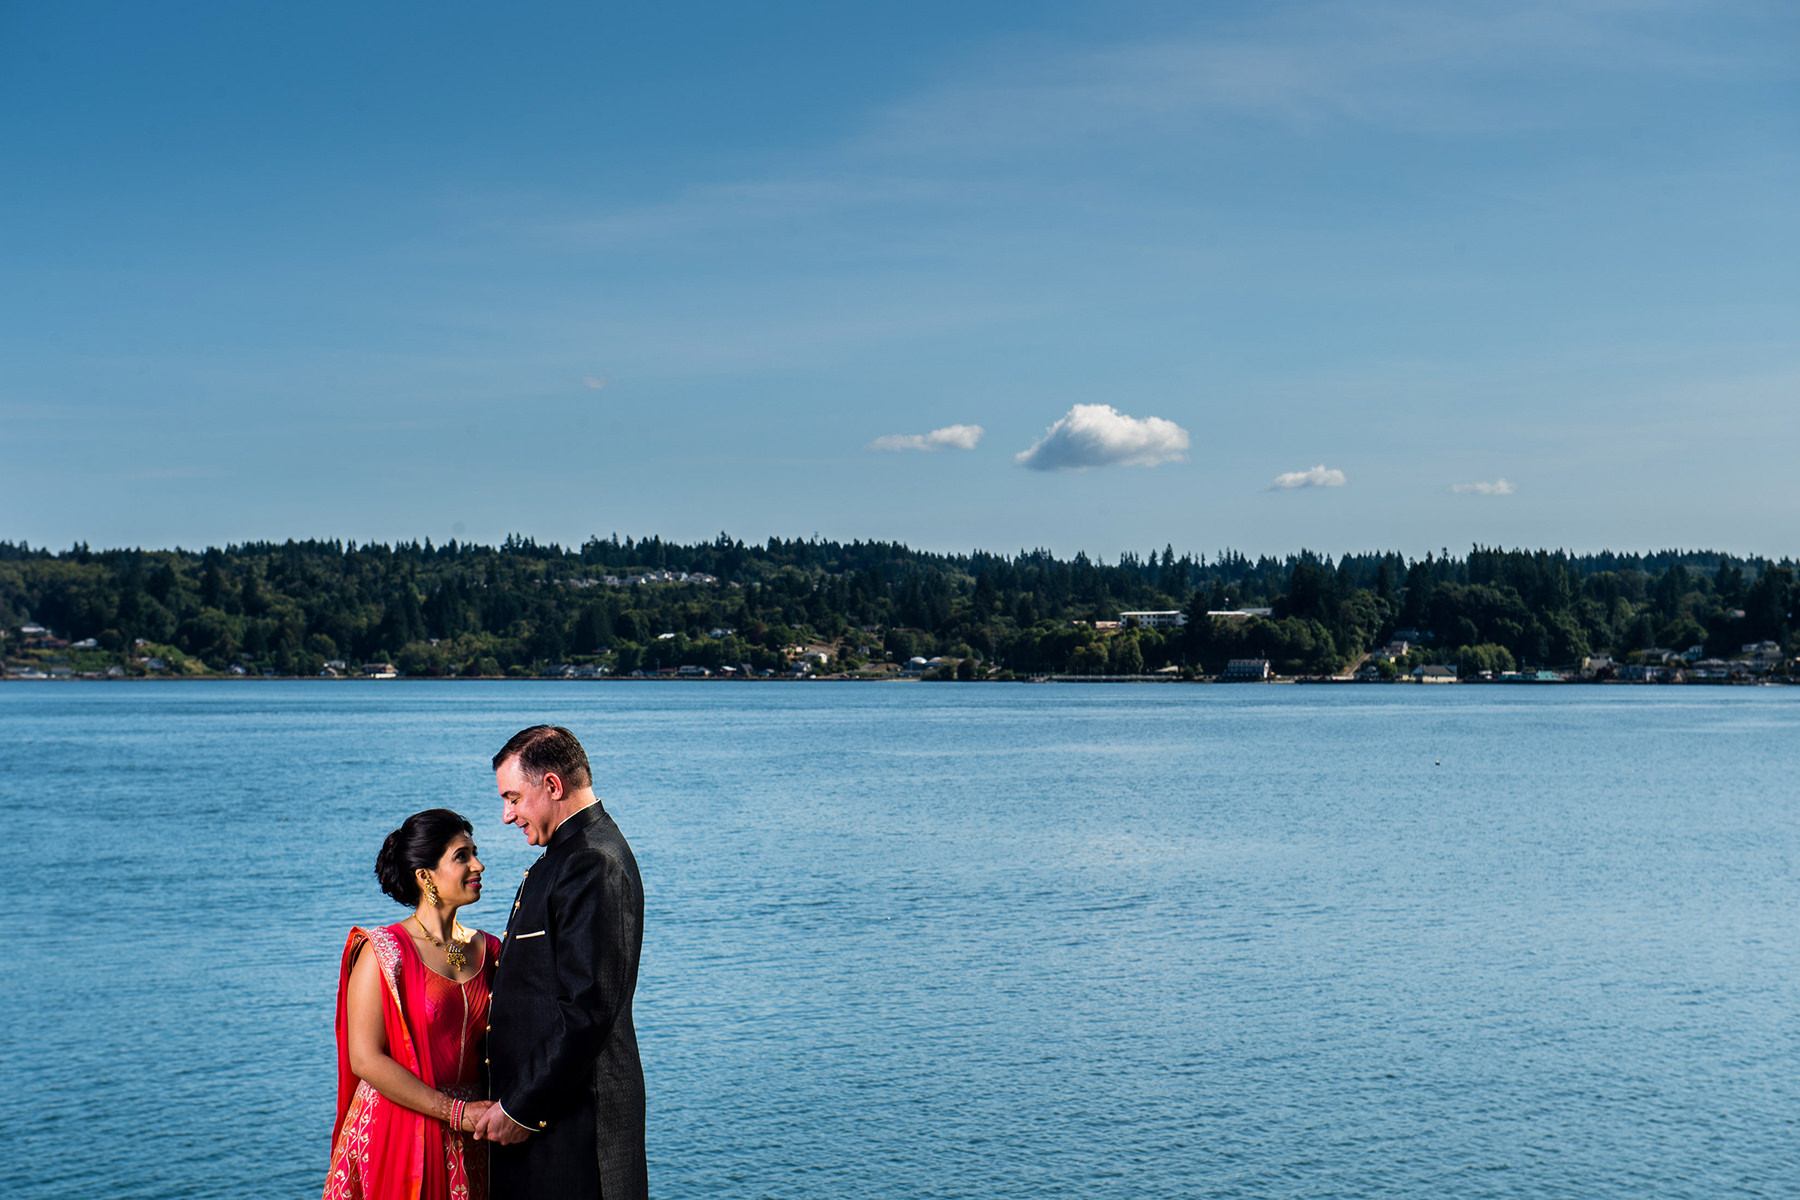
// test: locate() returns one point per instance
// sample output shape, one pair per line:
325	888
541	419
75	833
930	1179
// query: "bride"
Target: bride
411	1023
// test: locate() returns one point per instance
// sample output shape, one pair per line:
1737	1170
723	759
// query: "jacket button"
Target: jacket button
541	1124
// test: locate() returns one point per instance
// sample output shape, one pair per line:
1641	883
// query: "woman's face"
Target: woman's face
458	872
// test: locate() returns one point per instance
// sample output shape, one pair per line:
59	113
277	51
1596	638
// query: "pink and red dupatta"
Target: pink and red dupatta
385	1151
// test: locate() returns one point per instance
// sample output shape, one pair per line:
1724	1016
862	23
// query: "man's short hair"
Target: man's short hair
545	748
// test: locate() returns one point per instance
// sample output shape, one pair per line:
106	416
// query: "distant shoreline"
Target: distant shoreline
1277	681
852	611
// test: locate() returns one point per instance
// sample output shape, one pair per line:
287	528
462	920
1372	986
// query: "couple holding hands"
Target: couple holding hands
471	1065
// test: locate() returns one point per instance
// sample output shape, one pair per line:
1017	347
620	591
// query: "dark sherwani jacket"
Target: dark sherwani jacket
562	1053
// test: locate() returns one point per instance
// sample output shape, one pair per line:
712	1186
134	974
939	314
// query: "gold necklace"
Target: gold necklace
453	949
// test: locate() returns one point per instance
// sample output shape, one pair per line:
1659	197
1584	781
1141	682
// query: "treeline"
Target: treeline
462	609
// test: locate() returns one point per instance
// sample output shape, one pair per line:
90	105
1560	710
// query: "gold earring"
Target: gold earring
431	893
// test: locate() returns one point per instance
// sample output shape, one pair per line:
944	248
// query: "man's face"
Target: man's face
530	806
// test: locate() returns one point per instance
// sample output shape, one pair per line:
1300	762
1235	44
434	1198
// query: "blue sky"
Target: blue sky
1073	275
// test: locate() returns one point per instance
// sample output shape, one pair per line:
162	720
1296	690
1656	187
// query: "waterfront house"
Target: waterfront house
1245	670
37	637
1765	657
380	670
1390	652
1434	673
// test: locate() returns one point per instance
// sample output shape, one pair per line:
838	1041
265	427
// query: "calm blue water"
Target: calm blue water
958	941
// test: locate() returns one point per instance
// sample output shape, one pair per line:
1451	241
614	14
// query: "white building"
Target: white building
1167	618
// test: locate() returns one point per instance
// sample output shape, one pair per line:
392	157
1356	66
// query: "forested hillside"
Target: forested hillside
521	607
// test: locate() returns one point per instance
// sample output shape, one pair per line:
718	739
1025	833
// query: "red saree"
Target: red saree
435	1029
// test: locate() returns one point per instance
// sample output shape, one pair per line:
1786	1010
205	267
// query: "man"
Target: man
562	1053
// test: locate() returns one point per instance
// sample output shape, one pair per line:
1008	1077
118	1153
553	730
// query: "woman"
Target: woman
411	1023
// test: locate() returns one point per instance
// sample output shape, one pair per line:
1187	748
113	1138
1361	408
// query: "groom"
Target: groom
562	1053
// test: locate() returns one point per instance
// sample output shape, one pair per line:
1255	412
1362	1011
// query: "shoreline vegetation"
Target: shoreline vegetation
720	610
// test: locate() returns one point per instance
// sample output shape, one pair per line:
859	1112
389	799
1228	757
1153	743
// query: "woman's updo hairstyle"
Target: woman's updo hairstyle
418	844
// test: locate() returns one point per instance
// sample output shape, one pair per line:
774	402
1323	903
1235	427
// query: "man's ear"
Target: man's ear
554	782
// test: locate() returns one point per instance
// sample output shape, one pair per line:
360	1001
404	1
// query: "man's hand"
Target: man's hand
496	1126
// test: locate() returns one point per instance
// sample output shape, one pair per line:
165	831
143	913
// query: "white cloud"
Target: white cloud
1319	476
1098	435
594	381
1497	488
950	437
